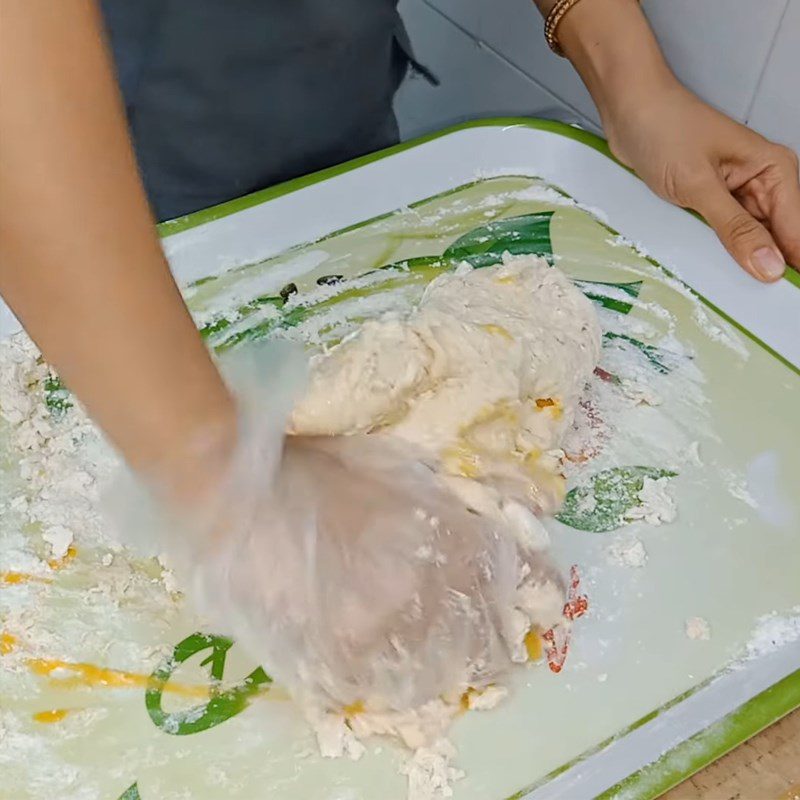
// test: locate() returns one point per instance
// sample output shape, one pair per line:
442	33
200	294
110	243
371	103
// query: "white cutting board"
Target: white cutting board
723	559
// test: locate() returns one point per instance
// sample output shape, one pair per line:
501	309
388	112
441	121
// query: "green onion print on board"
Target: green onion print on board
485	246
222	705
603	293
600	505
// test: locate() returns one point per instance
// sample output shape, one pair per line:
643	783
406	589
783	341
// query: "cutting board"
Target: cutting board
638	705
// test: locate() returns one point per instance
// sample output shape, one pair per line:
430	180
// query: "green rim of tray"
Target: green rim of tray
691	755
592	140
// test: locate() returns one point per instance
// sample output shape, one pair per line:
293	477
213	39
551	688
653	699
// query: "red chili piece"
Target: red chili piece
576	606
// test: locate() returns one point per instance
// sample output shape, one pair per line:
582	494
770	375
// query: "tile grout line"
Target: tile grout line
765	66
511	65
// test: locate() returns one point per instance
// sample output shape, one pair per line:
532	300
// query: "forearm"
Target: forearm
687	152
80	262
613	49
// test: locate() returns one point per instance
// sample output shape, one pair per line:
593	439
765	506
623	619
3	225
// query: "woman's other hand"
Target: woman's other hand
746	187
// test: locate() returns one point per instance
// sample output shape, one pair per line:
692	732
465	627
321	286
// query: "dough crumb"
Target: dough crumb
430	772
698	629
627	553
335	739
486	699
60	539
656	506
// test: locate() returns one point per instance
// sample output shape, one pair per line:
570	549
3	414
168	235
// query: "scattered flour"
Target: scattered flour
772	632
60	483
627	552
640	394
737	487
719	332
691	455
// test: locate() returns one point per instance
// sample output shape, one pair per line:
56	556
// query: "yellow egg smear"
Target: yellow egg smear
497	330
54	715
354	709
463	703
60	563
531	458
7	643
501	411
554	406
90	675
462	460
14	578
533	645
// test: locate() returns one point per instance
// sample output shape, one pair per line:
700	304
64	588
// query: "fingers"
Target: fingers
744	237
784	217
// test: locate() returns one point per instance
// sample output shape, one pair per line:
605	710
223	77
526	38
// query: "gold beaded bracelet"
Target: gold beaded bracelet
557	13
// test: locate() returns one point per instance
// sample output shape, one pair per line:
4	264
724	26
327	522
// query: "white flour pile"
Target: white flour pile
59	492
772	632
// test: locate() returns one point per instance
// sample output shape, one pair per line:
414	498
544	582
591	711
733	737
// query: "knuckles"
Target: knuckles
741	228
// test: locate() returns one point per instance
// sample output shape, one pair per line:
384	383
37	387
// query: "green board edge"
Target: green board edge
179	224
697	752
752	717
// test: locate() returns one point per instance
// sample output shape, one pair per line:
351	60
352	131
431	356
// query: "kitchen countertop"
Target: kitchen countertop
767	767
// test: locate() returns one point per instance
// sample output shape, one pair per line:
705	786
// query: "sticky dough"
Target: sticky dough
484	377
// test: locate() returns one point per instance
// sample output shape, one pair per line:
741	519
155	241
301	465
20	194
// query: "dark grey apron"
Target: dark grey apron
227	96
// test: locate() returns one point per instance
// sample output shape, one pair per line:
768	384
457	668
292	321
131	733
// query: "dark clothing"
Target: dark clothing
227	96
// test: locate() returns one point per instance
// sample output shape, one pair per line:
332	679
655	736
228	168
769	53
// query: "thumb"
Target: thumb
744	237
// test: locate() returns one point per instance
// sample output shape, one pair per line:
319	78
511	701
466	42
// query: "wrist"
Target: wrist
613	49
194	459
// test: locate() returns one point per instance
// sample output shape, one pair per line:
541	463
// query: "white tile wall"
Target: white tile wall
718	47
475	81
737	54
776	109
514	29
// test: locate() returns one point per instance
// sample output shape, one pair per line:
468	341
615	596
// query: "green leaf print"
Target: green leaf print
481	247
600	505
131	793
220	707
597	292
655	356
223	323
484	246
413	271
